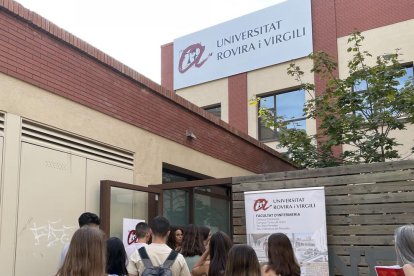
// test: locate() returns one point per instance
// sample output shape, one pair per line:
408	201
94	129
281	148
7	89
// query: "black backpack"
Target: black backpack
162	270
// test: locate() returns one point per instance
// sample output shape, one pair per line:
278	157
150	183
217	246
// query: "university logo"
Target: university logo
192	56
131	237
261	204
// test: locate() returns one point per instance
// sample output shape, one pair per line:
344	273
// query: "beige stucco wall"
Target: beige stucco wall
382	41
275	79
207	94
150	150
20	191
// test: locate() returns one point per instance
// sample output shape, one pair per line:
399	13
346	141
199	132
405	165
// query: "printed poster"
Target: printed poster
298	213
128	230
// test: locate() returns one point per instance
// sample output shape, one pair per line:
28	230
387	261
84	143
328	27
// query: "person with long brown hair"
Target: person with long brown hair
213	261
192	247
242	261
282	260
86	255
205	235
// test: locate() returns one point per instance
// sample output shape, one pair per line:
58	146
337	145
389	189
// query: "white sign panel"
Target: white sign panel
270	36
298	213
128	230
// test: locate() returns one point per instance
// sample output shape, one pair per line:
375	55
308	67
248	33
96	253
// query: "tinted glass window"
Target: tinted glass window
288	105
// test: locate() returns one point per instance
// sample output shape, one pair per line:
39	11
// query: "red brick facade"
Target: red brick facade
324	39
36	51
237	89
370	14
167	66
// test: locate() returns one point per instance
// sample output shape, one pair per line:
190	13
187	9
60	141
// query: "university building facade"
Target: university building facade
325	26
70	117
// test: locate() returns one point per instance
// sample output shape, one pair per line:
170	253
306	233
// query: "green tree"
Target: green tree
359	111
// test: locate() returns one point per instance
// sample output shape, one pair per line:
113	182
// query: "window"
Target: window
214	109
207	205
169	176
176	201
289	105
408	75
362	85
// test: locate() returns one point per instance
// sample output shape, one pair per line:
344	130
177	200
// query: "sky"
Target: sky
132	31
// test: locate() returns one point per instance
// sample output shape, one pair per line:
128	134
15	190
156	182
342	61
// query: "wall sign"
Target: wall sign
270	36
298	213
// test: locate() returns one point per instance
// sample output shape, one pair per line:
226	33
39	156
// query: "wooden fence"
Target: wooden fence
364	205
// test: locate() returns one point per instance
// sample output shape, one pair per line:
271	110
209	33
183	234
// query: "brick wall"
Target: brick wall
237	91
324	39
36	51
370	14
167	66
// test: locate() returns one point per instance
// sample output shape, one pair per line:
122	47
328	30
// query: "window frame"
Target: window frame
213	106
274	94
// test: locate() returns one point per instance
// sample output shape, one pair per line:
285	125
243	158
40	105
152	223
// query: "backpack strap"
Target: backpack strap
145	258
170	259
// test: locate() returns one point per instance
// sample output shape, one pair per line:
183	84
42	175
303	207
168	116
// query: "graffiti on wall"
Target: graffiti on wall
53	233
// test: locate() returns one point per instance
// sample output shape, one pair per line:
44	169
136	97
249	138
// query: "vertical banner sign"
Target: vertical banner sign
128	230
270	36
298	213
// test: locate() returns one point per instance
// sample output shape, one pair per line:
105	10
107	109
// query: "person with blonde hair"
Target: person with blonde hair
242	261
404	248
86	254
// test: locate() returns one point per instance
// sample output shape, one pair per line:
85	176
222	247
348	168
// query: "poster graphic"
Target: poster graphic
298	213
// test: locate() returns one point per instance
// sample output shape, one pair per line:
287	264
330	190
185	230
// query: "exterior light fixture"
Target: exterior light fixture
190	135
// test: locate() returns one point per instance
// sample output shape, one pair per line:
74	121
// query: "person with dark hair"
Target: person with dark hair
404	248
85	219
205	235
213	261
282	260
90	219
175	239
86	255
192	247
116	260
157	252
142	234
242	261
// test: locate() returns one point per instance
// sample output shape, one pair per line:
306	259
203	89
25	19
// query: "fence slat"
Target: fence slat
326	181
335	171
385	208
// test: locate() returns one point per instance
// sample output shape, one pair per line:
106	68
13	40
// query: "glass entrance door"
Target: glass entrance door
121	201
198	202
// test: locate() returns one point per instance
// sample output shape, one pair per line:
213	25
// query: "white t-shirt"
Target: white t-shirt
132	247
63	254
157	253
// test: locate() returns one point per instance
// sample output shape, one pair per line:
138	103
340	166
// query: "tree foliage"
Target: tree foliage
360	119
